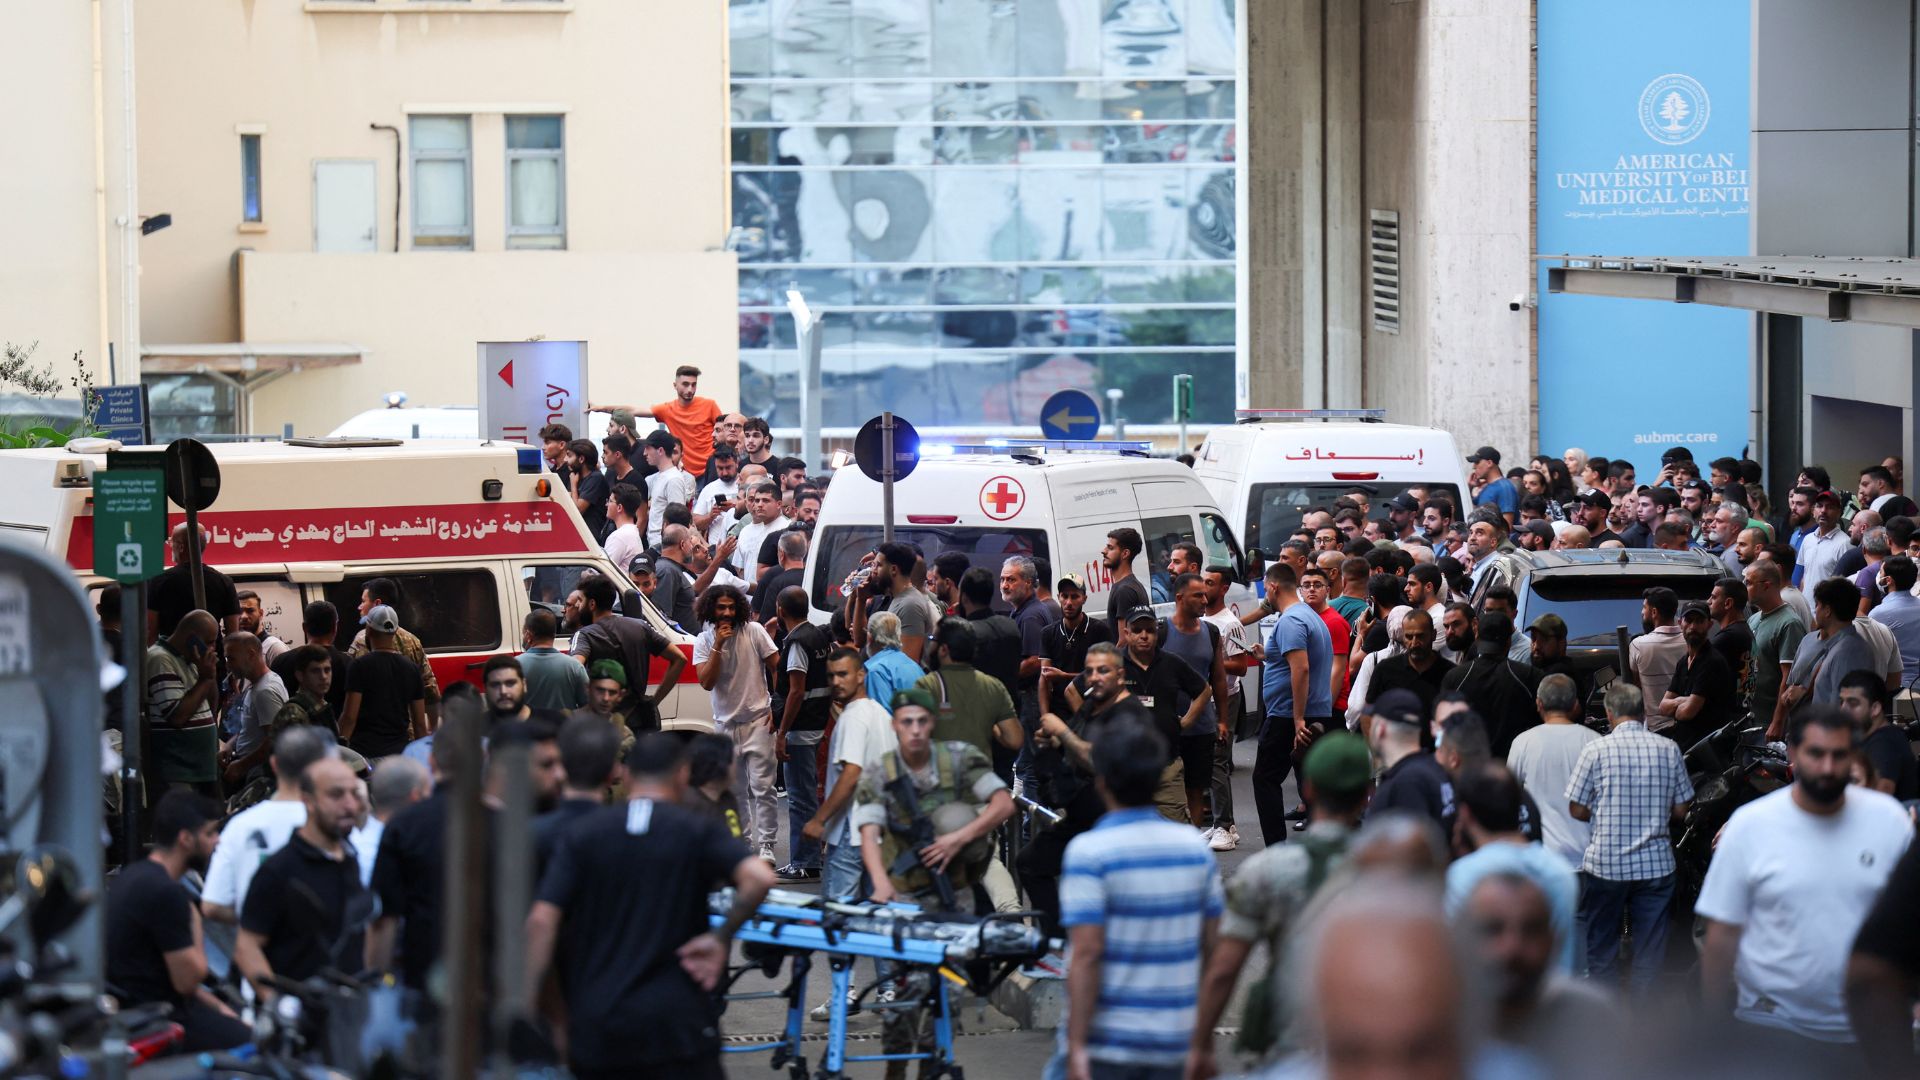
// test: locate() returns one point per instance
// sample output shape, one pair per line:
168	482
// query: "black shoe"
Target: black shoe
1298	813
1300	826
791	872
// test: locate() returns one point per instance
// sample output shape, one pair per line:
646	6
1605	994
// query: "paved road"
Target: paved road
990	1046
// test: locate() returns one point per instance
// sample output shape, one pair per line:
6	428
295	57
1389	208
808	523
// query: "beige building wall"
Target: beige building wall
61	181
642	88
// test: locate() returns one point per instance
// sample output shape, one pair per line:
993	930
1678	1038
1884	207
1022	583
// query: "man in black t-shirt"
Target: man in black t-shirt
407	878
792	553
306	910
588	486
589	755
386	699
805	707
320	623
1414	782
1064	643
1418	669
1165	685
622	912
1884	970
1126	592
1730	633
1703	694
154	955
1063	760
1864	695
170	593
605	634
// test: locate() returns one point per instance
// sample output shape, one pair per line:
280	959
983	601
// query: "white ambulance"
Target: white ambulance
1274	465
474	534
1053	501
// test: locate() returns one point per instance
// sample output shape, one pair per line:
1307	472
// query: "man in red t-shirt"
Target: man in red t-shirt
688	417
1314	589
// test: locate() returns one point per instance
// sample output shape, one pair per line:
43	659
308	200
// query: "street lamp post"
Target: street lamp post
1114	394
806	326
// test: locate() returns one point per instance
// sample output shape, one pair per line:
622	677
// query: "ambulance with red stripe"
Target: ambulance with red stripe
474	534
1048	500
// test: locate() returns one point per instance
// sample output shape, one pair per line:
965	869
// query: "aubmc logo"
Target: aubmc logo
1674	109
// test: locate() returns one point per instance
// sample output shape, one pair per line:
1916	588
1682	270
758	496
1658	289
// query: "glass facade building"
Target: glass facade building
989	200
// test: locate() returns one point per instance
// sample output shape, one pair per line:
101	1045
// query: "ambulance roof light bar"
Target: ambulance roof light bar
1261	416
1041	447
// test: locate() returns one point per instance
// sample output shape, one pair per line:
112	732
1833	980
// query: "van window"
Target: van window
547	587
841	548
1274	510
1216	539
448	610
1161	534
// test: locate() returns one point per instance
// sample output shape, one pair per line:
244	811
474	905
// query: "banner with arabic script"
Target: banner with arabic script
346	534
1644	129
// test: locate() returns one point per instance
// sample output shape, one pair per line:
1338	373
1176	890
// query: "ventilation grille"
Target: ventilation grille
1383	264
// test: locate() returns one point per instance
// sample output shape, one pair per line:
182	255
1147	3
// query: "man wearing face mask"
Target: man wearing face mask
1792	879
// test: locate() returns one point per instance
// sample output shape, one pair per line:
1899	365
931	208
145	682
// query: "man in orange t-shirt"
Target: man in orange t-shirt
688	417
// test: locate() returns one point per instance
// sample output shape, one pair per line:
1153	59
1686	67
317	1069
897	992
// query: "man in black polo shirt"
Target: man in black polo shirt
170	593
306	911
1703	694
407	878
1064	643
622	913
1501	690
996	640
807	705
1419	669
1165	685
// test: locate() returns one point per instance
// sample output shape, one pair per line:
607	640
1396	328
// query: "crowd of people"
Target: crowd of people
1448	892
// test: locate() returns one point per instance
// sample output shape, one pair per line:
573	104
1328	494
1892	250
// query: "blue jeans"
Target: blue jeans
841	880
1646	904
802	771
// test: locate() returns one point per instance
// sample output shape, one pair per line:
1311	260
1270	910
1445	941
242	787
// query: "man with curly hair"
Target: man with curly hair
735	658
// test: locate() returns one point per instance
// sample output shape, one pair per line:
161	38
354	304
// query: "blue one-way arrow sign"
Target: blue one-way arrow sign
1070	414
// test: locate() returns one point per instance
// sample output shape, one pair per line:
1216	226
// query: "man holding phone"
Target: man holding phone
713	507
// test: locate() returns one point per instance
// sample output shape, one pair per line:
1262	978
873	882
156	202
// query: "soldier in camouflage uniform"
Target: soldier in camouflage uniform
955	790
1266	896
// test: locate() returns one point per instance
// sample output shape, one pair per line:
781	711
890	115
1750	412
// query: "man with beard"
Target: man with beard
1653	655
1793	877
1486	536
253	620
891	579
1065	765
506	690
603	634
736	658
1508	922
1418	668
307	909
1125	593
1703	694
1549	644
154	950
1500	689
1459	629
1590	513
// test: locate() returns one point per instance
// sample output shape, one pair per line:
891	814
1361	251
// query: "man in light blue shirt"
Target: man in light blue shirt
1491	488
1900	610
888	668
1296	683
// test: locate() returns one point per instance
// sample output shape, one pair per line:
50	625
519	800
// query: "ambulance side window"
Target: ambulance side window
546	587
1161	534
448	610
1216	539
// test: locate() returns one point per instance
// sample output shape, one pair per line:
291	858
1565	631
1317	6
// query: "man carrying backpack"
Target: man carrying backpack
1268	893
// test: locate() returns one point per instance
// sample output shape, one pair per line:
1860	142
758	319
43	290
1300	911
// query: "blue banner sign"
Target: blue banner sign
1644	126
120	412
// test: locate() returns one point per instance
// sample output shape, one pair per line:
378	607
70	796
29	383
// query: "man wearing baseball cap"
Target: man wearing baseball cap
1490	488
1266	896
1821	549
1592	507
1703	693
1411	780
1403	514
386	701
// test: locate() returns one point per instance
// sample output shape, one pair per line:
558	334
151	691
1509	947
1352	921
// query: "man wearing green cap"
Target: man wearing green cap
606	685
1266	896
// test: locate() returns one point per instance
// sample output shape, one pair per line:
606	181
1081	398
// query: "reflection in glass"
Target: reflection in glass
1038	193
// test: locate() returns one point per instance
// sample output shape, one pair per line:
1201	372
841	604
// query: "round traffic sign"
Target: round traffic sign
193	477
868	449
1070	414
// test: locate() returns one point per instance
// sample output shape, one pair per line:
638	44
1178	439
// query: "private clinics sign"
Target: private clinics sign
1643	150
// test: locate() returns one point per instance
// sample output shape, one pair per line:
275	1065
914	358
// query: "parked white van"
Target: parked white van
1051	501
1274	465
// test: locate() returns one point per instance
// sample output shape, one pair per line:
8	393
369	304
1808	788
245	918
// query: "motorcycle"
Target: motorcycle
1729	768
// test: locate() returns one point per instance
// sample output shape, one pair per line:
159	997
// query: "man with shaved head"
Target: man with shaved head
170	593
259	695
180	690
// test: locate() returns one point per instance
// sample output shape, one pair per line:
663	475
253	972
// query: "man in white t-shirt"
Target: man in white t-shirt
863	732
255	833
1791	881
735	658
624	508
1542	759
669	483
763	517
713	507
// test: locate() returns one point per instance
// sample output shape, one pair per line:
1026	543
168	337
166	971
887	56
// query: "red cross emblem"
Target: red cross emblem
1002	497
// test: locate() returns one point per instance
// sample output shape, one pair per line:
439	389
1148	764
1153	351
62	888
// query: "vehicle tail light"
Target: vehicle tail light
933	519
542	488
1356	476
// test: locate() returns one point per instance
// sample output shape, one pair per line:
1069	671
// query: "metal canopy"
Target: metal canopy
1881	290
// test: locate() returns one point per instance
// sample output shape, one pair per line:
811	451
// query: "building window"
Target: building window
442	149
250	210
536	182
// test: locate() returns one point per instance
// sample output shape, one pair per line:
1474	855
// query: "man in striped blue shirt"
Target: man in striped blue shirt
1140	898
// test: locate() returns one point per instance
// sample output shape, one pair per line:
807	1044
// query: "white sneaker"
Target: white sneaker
766	852
1224	838
1207	834
820	1012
